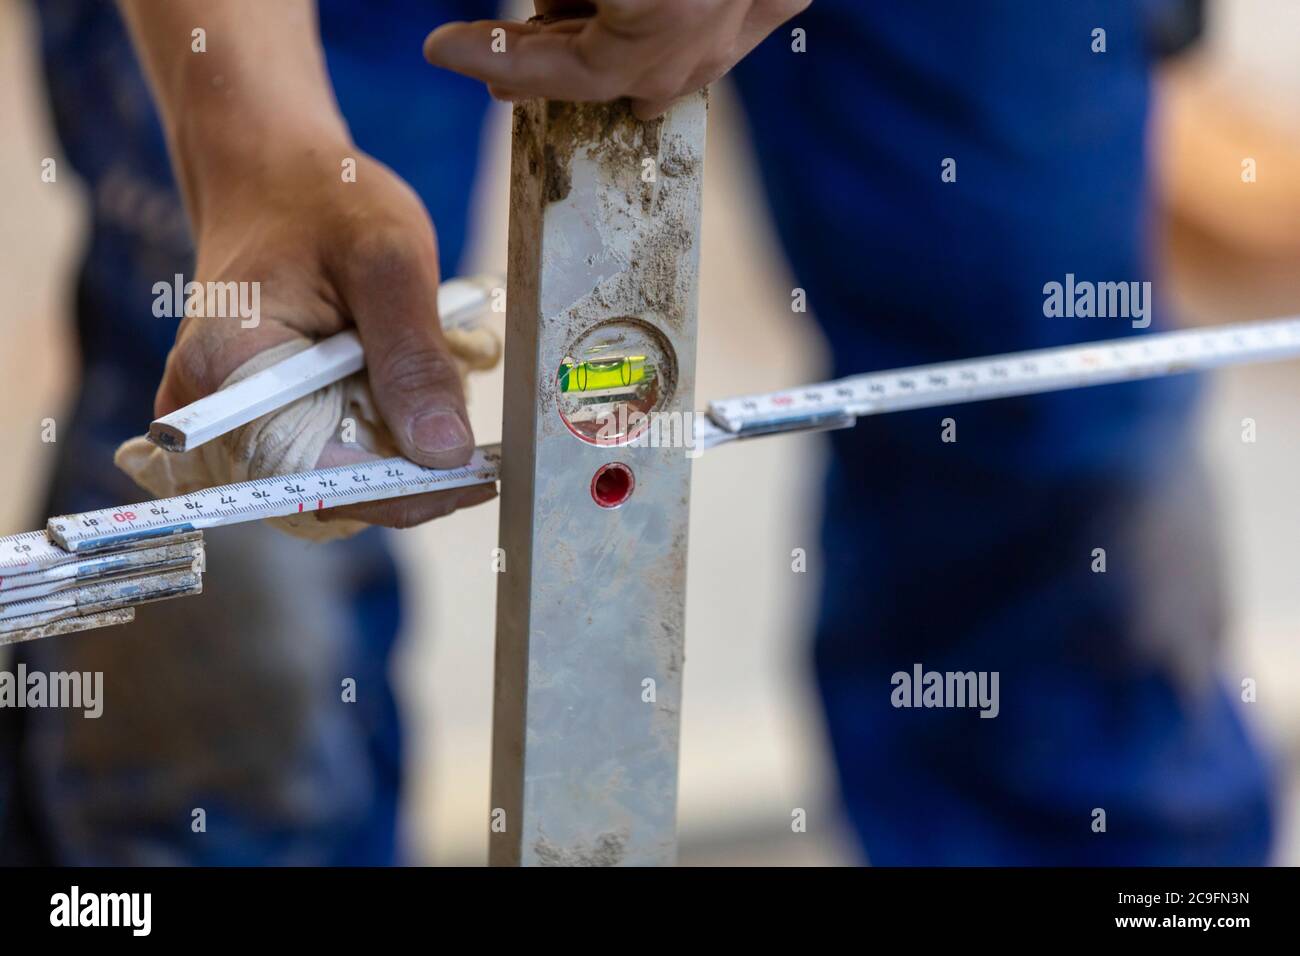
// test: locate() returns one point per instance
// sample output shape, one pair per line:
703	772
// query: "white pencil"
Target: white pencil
460	303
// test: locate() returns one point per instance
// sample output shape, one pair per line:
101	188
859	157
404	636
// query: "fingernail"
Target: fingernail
435	432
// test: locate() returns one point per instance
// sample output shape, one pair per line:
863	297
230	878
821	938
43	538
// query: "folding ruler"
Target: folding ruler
604	227
91	570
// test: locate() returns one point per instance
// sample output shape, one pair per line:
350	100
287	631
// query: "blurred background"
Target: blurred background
752	748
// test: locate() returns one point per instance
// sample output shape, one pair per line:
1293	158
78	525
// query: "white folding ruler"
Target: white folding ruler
89	570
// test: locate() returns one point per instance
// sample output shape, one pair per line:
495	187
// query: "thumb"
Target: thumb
392	293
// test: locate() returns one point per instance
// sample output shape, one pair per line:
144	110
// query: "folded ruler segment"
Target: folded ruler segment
1016	373
85	622
45	590
274	497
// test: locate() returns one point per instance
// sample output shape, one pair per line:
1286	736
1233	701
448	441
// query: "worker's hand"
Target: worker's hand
653	51
327	254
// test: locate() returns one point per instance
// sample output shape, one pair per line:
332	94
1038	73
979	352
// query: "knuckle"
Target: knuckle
400	519
391	253
674	13
686	11
659	89
604	80
386	254
606	84
702	76
417	513
610	88
413	365
778	11
192	368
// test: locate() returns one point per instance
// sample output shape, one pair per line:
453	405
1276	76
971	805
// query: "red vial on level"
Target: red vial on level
612	485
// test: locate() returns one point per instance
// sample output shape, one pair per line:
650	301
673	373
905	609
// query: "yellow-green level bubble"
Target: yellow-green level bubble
597	376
